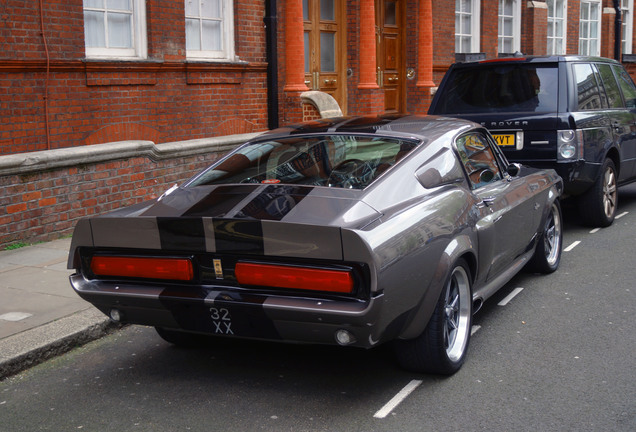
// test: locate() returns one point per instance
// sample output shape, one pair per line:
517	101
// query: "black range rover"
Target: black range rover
574	114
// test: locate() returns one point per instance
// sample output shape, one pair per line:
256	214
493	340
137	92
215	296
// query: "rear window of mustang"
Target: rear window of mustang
344	161
501	88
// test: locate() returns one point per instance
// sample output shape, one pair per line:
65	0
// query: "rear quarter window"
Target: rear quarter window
612	91
500	88
627	86
588	91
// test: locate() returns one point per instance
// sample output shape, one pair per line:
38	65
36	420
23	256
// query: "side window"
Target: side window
589	95
478	159
612	91
209	29
627	86
115	29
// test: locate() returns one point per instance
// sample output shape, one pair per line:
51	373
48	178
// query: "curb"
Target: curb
34	346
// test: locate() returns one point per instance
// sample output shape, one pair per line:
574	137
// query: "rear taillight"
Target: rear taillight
303	278
150	268
569	145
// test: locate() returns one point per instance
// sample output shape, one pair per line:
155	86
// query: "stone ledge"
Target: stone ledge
28	163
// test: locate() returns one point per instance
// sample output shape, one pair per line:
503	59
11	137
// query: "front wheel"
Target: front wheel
442	347
547	254
598	205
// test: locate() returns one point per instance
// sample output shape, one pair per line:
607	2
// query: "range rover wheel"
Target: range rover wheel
547	255
442	347
598	205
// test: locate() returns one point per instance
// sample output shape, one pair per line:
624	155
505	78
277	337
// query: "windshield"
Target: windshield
344	161
501	88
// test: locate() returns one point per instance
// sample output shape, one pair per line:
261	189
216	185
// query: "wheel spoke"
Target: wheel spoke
609	193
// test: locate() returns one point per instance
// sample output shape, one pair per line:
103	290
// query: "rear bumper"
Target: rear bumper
227	312
578	176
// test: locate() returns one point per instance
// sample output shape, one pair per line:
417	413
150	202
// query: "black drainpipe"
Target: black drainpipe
271	40
618	26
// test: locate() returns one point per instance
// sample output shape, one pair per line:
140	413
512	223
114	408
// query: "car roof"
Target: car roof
536	59
417	127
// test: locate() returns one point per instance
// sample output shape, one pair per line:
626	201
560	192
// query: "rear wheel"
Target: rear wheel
547	255
598	205
442	347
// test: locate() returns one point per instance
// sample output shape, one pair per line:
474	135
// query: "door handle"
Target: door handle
487	201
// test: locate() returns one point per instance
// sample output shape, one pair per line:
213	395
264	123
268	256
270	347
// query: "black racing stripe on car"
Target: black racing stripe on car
183	234
224	314
238	236
275	202
220	201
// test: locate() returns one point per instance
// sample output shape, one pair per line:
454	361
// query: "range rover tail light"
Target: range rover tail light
569	145
148	268
303	278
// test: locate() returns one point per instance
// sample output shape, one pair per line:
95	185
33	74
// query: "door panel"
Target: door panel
508	216
390	47
325	49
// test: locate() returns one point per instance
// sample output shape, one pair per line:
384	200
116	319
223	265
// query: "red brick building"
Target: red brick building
105	103
83	72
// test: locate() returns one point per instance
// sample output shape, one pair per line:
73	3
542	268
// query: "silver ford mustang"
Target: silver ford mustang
350	231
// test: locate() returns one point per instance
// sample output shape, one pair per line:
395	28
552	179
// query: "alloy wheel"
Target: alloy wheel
552	237
457	311
609	192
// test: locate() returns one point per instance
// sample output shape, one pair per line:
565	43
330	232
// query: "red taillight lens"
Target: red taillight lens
152	268
281	276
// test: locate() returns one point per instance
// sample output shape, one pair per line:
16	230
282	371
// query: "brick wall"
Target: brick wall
42	201
489	40
163	99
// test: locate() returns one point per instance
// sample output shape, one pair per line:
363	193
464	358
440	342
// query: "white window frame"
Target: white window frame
554	37
226	53
474	15
627	18
586	40
516	27
139	49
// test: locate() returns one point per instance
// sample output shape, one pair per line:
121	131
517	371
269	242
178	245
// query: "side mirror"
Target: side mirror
513	169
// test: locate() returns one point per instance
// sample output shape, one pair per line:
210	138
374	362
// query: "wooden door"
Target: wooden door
325	48
390	53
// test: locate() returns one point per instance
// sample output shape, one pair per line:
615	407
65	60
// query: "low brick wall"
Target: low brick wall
43	194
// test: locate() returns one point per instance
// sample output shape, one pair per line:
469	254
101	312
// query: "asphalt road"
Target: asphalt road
548	353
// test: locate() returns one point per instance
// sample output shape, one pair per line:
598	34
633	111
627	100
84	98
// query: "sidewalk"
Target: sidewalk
40	314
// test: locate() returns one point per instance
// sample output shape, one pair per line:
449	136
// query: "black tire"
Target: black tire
597	206
442	346
547	254
181	338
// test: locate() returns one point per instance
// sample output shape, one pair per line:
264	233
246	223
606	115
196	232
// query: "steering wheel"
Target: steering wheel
350	174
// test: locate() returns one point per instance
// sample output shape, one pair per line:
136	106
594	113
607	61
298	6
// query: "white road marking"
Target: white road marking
510	296
572	246
397	399
621	215
474	329
595	230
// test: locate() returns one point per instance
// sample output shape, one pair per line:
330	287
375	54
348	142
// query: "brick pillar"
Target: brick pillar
371	95
489	22
368	59
294	47
534	29
608	24
291	106
425	45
